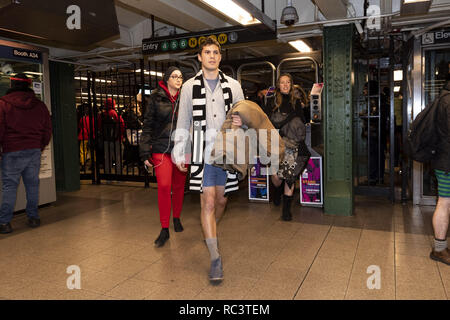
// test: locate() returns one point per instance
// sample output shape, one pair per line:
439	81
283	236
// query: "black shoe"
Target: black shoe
287	216
278	191
5	228
34	223
162	238
177	225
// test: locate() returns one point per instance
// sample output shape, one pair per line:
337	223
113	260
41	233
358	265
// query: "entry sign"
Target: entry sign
258	183
311	187
191	41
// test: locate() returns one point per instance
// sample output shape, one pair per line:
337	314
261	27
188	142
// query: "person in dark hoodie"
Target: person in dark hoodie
112	128
160	120
25	130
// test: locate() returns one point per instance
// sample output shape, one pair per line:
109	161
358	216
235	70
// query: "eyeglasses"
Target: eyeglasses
177	77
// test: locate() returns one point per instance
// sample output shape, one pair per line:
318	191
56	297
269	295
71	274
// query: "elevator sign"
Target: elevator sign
191	41
435	37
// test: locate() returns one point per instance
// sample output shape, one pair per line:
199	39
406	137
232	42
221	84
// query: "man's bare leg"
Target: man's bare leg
221	202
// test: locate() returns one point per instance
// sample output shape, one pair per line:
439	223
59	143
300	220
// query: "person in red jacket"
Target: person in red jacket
84	131
112	128
25	130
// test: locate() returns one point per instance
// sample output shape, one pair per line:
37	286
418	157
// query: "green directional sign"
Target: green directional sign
174	44
165	46
191	41
183	43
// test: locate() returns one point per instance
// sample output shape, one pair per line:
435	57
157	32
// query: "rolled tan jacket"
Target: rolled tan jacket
249	142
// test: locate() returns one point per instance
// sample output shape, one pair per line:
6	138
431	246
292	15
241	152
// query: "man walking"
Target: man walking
25	130
441	165
204	102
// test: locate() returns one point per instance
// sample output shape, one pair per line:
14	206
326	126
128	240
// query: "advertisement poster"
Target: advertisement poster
258	183
311	192
46	163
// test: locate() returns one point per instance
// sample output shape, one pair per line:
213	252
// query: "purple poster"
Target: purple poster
258	183
311	183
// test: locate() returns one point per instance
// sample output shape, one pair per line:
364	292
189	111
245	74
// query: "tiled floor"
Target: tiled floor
108	231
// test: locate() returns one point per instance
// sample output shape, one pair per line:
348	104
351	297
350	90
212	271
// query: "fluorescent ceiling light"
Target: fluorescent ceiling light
300	45
397	89
35	73
398	75
232	10
153	73
413	1
96	80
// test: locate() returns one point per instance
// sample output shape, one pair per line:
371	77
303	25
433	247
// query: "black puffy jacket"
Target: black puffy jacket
158	125
442	159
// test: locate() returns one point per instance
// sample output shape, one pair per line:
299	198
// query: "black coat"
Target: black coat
157	126
442	159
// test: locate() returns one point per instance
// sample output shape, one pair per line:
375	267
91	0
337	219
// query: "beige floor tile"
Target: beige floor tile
268	290
341	251
275	273
123	250
158	272
377	236
167	291
316	288
38	291
11	284
132	289
127	267
149	253
425	283
245	269
100	262
101	282
412	249
414	238
415	262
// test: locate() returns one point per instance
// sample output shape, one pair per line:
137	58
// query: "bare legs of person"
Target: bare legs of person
213	204
440	225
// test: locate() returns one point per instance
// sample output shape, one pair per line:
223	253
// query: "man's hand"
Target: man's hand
237	121
182	167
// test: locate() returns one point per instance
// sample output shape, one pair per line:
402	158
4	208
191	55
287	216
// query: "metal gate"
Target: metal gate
377	136
110	109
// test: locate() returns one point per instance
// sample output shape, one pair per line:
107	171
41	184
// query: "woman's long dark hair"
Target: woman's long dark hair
278	94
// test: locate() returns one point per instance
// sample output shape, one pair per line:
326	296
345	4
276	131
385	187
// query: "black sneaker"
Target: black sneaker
5	228
34	223
162	238
177	225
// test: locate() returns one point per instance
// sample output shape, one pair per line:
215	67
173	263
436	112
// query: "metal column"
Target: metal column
338	120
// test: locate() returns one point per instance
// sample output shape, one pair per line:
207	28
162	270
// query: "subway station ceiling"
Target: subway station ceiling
115	41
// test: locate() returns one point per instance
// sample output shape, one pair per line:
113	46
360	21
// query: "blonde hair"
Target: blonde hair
278	94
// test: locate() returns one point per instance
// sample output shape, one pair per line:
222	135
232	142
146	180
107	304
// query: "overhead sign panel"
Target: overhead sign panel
191	41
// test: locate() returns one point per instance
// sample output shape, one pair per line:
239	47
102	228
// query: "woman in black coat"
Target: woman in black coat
286	114
156	146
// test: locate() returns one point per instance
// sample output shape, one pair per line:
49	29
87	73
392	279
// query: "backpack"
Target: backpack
111	130
422	142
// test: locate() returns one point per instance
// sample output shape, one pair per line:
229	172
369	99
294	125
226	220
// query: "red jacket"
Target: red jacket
110	111
24	122
84	128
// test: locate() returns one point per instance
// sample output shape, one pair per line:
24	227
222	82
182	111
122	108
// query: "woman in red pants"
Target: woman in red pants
155	148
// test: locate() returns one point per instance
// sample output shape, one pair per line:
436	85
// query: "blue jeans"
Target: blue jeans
25	163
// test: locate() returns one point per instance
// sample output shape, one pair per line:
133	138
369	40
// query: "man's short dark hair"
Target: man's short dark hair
207	42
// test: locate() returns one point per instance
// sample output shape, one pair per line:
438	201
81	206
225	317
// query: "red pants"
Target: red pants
170	181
